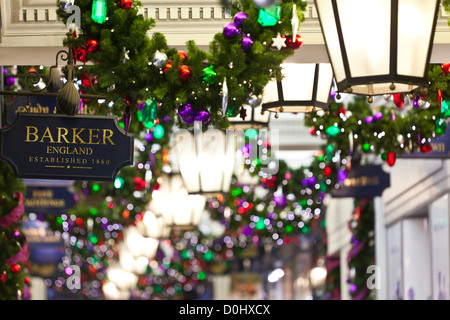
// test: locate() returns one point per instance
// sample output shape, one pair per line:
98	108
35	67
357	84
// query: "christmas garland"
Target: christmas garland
362	253
13	255
401	124
131	69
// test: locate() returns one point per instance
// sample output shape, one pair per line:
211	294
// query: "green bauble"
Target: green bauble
269	16
441	126
209	75
149	113
445	110
333	131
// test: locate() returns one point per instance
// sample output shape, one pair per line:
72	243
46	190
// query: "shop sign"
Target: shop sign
66	147
48	200
363	181
440	148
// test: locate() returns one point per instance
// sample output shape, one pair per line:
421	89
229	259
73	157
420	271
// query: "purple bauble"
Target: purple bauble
186	113
231	31
148	136
312	180
341	175
416	102
369	119
239	18
280	201
202	116
10	81
247	231
247	43
377	116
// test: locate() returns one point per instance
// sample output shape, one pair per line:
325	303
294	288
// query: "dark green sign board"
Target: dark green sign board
66	147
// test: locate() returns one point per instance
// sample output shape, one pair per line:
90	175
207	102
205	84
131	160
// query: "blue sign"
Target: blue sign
363	182
66	147
48	200
46	248
38	104
440	148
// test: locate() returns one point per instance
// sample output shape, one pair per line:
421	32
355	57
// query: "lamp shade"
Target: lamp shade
205	160
123	280
138	245
178	208
378	47
153	225
303	87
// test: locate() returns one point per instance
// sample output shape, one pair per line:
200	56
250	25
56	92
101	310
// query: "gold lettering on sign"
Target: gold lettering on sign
439	147
362	181
76	136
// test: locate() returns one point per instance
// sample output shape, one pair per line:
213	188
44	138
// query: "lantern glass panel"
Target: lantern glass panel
324	83
206	160
331	38
298	82
414	36
366	36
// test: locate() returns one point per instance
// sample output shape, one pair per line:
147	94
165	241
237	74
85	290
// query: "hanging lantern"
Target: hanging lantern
175	205
153	225
205	159
378	47
138	245
303	87
118	283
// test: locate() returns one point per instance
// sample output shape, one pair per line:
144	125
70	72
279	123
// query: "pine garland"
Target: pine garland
364	128
13	247
122	57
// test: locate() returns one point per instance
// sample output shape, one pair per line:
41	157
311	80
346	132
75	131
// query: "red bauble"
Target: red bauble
294	44
399	99
312	131
87	80
327	171
390	159
182	55
139	183
426	148
445	67
15	268
126	4
185	73
168	66
89	47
